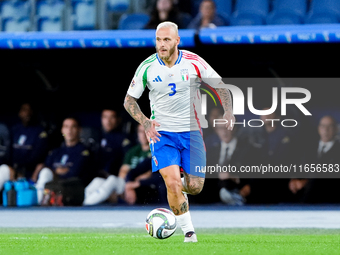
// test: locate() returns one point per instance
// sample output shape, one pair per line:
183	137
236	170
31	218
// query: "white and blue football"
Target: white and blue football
161	223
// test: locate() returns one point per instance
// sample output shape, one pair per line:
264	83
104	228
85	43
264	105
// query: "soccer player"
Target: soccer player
173	77
29	146
109	156
71	159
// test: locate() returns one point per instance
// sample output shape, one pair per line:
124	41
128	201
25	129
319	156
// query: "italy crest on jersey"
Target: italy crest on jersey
133	83
185	74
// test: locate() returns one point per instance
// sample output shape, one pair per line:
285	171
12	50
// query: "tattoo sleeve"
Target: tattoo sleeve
131	106
193	184
184	207
175	210
225	98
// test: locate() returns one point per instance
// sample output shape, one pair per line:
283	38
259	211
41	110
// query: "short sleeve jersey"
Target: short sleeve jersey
76	158
136	155
30	145
174	92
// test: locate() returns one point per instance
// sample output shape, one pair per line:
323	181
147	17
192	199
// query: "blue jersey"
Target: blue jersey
30	146
113	147
76	158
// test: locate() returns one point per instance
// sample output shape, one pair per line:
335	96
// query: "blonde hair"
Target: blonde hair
168	24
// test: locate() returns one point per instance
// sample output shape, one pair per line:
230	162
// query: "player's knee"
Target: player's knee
196	191
5	174
174	186
196	187
45	175
5	170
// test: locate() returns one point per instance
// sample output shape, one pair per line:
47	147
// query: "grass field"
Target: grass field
136	241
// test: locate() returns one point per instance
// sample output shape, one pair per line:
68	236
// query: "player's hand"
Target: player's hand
62	170
132	185
150	130
229	116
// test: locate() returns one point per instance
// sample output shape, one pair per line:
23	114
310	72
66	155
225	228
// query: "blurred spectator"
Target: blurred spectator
29	147
113	144
138	6
71	159
166	10
136	167
228	151
278	145
109	158
142	186
209	134
207	17
276	142
30	143
5	144
324	151
184	5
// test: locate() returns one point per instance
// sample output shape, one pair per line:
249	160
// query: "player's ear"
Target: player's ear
178	40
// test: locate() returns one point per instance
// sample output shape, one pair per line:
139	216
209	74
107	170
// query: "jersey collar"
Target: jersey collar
179	57
177	61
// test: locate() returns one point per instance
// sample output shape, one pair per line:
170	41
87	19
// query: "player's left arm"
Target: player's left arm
225	96
210	76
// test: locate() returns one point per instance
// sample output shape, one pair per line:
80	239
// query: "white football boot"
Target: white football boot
190	237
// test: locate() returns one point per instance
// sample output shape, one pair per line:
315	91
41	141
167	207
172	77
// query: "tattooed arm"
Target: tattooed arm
226	103
131	106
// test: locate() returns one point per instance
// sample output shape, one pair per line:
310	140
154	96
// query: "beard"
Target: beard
171	51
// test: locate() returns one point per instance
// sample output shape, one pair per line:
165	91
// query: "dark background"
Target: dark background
86	80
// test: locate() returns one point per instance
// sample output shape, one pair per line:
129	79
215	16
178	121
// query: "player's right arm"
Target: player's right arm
134	92
131	106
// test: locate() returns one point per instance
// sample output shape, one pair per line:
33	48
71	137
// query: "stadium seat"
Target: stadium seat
50	8
120	6
224	8
15	15
84	14
287	12
323	11
133	21
15	9
47	24
283	19
249	12
49	15
186	18
112	11
16	25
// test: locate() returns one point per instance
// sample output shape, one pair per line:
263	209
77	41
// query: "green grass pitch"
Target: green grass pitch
136	241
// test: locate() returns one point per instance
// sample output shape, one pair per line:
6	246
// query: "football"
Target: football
161	223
